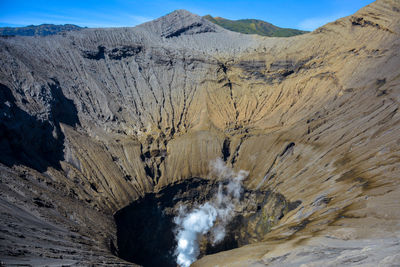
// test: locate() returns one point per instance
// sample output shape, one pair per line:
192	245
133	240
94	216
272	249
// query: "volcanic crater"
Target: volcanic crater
106	133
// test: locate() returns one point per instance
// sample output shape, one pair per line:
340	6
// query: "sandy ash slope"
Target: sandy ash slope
92	120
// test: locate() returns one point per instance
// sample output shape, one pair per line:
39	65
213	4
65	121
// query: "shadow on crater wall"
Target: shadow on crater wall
27	140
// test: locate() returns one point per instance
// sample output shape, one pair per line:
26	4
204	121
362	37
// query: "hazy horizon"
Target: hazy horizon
304	15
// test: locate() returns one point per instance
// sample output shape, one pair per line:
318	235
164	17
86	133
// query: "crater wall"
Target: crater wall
127	112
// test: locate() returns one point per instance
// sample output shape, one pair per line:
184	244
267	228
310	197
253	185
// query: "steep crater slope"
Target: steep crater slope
131	113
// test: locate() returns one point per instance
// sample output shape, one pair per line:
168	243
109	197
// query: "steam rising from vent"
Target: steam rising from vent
209	218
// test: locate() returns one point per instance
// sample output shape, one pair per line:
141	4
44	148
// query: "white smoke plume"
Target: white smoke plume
211	217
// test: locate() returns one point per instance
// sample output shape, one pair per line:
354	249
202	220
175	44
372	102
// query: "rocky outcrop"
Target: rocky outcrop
95	119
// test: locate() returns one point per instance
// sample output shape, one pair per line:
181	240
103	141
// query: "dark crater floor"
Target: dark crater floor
145	228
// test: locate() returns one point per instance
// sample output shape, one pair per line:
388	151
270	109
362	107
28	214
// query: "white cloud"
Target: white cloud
5	24
140	19
311	24
91	19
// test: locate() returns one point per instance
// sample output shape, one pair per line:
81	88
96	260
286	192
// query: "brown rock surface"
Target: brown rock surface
129	111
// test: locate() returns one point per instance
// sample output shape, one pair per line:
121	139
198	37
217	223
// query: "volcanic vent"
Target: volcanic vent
196	217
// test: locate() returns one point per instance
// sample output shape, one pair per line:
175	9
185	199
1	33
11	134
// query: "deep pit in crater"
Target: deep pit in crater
146	229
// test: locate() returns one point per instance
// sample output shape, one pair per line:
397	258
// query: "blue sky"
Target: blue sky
305	14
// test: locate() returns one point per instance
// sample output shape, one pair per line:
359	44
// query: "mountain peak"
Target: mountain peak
253	26
180	22
182	12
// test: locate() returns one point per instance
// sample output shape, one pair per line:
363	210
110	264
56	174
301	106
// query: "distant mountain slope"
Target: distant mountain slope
254	26
39	30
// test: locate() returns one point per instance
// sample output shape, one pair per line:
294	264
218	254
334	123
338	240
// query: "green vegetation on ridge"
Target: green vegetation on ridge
39	30
254	26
